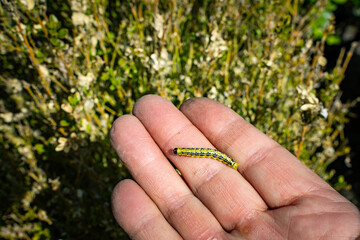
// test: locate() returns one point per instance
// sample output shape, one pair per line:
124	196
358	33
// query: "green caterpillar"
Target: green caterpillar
206	153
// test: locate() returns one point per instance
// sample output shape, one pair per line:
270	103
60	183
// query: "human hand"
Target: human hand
272	195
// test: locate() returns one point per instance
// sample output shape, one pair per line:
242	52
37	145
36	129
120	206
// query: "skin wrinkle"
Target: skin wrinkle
325	212
318	194
262	155
177	209
283	220
176	203
145	220
247	218
237	209
206	174
172	196
276	228
313	187
206	183
129	155
258	157
289	202
209	234
302	202
322	192
311	214
248	225
287	223
227	135
120	150
172	136
288	226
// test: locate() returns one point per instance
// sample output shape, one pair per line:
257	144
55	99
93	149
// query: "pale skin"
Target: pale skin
272	195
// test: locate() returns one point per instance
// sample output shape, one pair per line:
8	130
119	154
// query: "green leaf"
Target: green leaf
73	100
333	40
111	35
53	23
88	128
64	123
105	76
40	55
121	62
339	1
39	148
55	42
53	19
318	33
331	6
63	33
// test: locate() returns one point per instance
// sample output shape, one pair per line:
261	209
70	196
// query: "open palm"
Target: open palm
272	195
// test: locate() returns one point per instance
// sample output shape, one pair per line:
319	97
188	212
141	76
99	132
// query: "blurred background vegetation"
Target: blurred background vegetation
70	68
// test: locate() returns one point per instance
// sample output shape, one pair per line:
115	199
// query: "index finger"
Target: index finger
275	173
